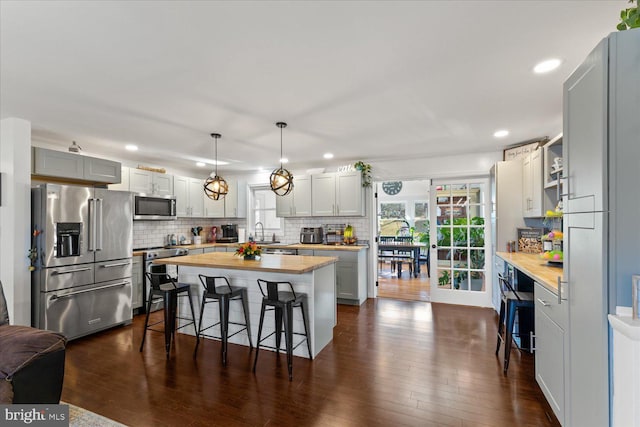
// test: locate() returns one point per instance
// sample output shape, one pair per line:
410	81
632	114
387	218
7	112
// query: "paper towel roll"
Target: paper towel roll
241	235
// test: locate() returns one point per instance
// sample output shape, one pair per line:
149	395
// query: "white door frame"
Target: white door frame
456	296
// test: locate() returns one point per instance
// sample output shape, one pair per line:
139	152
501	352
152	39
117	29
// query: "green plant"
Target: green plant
444	278
365	169
629	18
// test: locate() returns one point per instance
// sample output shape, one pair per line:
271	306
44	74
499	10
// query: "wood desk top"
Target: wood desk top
271	263
535	267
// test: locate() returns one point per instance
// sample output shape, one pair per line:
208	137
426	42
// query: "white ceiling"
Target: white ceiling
363	80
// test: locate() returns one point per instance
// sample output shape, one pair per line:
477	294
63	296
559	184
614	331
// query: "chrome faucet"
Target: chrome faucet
261	230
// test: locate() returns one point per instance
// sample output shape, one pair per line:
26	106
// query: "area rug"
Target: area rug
79	417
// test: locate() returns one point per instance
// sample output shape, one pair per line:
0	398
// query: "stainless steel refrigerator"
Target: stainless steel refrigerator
82	280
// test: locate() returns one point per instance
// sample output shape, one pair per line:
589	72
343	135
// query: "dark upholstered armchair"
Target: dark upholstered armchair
31	362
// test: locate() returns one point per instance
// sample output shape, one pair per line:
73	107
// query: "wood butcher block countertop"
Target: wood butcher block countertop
271	263
534	267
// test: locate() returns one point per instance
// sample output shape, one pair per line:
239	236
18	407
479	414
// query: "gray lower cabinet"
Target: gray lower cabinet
136	283
351	275
551	346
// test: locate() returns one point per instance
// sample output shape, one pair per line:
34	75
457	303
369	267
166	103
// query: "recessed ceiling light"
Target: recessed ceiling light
501	133
546	66
328	156
284	160
131	147
200	164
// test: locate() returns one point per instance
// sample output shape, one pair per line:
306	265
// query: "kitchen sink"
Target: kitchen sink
269	242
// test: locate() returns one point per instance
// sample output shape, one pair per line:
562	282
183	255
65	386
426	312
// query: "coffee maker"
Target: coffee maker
229	233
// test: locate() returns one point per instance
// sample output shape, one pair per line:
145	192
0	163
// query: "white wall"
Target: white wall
462	165
15	217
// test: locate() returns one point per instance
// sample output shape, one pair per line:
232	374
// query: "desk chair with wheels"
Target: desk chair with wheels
164	286
511	301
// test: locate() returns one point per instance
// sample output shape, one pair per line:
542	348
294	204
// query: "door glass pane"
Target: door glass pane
444	278
460	281
476	259
461	237
444	236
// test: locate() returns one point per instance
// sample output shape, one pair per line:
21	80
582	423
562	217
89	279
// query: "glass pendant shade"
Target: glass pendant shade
215	187
281	179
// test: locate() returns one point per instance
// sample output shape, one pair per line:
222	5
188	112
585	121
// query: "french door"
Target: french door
460	242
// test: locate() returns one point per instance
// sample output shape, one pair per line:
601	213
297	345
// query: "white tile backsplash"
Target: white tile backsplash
154	233
292	226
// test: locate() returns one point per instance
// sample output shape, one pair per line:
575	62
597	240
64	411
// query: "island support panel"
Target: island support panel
319	285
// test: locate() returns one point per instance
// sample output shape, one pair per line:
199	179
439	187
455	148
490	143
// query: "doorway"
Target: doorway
403	231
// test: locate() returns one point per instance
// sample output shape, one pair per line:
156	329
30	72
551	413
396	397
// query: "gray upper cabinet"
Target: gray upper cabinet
584	130
124	180
349	194
188	192
148	182
235	202
233	205
61	164
337	194
323	194
532	201
298	202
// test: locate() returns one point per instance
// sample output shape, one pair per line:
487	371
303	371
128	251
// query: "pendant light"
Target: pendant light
216	187
281	179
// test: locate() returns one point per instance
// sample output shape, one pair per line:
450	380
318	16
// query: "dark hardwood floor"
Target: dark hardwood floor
390	363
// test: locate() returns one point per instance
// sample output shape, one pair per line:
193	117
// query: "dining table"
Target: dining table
413	247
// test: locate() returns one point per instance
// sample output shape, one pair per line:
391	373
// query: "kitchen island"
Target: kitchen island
314	276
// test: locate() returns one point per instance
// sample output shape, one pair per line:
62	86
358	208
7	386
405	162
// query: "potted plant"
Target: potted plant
249	250
365	169
629	18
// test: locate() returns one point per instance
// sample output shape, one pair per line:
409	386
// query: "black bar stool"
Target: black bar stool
165	286
510	302
223	295
282	303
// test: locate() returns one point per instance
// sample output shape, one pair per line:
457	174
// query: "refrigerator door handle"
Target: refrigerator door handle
98	225
92	225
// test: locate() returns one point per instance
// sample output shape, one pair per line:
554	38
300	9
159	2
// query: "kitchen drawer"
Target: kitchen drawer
67	277
547	302
86	309
112	270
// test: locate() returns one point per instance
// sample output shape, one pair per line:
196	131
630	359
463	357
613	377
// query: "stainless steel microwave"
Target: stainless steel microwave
156	208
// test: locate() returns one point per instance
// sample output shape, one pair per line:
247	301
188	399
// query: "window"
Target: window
264	210
421	210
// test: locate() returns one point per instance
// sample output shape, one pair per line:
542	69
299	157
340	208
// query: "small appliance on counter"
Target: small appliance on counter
333	234
229	233
311	235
